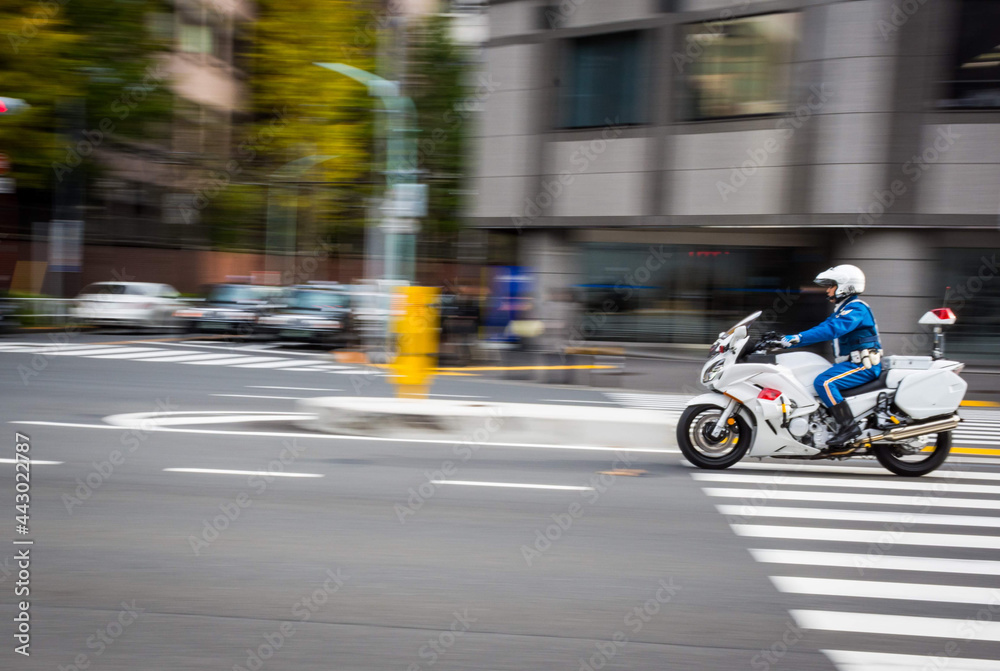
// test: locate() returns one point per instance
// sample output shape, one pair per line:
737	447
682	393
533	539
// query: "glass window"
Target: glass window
195	39
973	79
317	300
972	291
103	289
737	68
604	81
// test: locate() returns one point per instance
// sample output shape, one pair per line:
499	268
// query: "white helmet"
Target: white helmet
848	279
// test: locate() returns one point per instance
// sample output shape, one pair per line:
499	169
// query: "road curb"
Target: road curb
476	422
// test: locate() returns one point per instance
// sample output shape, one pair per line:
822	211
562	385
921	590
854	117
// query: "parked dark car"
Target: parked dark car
312	313
230	308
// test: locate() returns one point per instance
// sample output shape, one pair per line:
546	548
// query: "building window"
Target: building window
737	68
973	76
604	81
196	38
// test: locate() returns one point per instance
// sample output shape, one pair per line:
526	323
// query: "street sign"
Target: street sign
65	246
406	201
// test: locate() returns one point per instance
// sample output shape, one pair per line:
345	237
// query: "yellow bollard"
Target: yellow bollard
416	327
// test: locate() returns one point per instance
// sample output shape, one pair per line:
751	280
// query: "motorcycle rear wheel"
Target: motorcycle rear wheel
892	458
701	449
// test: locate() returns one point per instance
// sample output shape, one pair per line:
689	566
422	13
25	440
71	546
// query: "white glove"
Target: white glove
790	341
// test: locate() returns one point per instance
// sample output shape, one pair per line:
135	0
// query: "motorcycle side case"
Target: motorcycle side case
930	393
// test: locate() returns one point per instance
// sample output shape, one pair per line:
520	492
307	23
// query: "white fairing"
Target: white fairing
929	393
805	366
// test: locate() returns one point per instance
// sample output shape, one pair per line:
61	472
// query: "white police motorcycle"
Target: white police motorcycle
764	405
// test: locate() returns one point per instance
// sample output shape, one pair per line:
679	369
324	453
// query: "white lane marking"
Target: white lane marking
259	386
923	500
312	368
456	396
34	462
271	364
135	353
884	562
873	589
941	473
286	398
849	660
864	516
212	418
473	483
181	358
220	471
867	536
230	348
373	439
87	352
973	459
860	483
895	625
229	360
571	400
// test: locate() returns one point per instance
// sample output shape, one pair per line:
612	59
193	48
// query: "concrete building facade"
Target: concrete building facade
682	162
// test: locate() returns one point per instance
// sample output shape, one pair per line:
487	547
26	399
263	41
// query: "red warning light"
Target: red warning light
3	108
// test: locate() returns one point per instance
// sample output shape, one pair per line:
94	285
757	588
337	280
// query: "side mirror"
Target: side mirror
938	317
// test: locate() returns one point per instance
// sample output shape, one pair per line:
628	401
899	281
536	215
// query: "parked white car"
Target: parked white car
143	304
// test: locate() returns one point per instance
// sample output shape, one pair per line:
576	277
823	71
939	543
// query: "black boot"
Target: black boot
848	428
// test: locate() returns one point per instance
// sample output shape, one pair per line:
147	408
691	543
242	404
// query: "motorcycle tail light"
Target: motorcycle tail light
769	394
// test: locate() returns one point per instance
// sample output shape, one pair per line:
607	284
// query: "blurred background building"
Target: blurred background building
685	162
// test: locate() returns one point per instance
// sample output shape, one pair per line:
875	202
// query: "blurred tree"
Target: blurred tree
300	109
437	81
87	66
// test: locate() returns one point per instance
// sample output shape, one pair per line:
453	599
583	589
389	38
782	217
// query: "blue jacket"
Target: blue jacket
851	327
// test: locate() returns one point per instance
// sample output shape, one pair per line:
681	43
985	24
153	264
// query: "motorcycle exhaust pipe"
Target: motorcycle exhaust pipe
903	433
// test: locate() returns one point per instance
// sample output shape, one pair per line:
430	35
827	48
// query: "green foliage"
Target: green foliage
438	70
77	64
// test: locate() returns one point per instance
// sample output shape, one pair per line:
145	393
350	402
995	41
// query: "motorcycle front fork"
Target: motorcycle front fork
720	424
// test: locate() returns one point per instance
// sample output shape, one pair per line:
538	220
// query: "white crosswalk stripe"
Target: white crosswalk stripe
980	428
836	564
238	357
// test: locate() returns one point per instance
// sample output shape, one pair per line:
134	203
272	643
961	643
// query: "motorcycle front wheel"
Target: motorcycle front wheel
698	446
914	464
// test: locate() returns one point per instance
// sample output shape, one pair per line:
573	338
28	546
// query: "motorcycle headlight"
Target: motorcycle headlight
714	372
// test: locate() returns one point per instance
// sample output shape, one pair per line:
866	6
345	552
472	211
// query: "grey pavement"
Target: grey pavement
374	566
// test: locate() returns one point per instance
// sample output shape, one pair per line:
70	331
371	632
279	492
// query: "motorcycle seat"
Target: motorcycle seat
878	384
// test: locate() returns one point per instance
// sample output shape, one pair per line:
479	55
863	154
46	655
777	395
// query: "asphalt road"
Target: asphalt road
301	551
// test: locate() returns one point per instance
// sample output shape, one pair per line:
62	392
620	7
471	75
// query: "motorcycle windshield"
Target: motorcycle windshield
745	322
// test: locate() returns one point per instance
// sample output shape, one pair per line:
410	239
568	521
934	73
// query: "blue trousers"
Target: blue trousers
842	376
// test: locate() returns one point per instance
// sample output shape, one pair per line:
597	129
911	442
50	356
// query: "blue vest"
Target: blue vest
864	336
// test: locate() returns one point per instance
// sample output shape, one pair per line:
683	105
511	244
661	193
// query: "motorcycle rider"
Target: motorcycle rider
856	345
